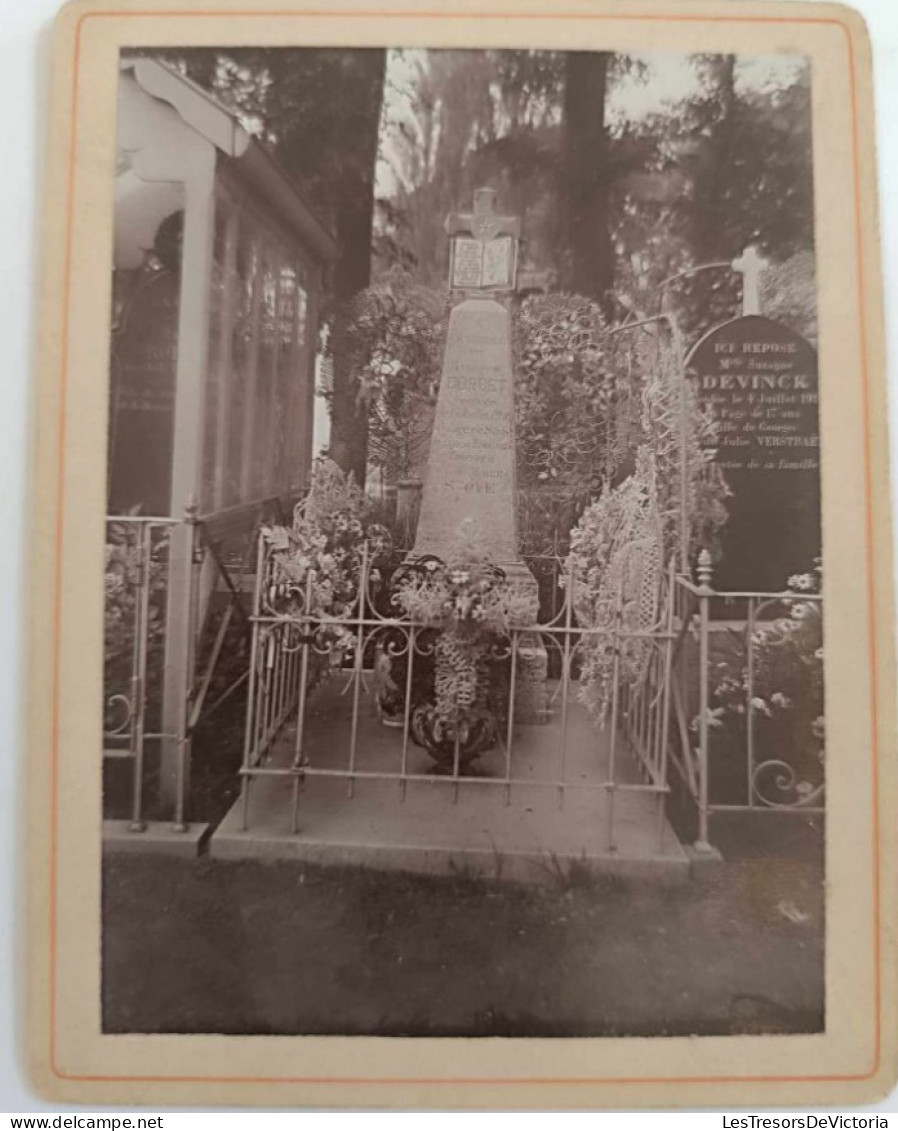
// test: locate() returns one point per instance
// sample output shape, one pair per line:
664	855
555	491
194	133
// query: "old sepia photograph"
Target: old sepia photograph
463	632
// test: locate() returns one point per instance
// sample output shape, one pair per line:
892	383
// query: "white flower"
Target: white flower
277	537
712	716
759	704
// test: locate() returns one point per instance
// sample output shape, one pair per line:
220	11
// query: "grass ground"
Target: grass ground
248	947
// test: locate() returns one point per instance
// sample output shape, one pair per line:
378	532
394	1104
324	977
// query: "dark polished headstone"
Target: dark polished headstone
760	380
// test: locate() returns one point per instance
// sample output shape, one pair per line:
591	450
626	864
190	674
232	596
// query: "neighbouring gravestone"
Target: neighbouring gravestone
470	472
760	380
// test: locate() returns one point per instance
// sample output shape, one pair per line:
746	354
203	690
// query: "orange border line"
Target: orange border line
276	13
869	526
871	581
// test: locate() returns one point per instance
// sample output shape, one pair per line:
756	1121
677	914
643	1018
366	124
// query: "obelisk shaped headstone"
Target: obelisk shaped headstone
470	470
471	465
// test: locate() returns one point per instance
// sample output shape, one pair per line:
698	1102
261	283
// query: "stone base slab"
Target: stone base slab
159	837
532	829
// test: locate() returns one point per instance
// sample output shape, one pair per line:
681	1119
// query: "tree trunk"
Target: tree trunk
713	214
331	148
585	189
352	273
354	217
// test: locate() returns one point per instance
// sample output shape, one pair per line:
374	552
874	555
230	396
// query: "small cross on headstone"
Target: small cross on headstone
751	265
484	246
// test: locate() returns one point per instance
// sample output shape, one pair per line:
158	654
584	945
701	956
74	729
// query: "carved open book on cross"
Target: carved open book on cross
481	264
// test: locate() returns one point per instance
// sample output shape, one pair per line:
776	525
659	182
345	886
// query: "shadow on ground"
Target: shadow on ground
248	947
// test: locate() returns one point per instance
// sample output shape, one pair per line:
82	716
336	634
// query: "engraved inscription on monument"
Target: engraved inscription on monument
470	471
497	262
760	378
467	263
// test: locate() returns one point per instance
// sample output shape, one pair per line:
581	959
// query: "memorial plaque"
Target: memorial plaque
760	380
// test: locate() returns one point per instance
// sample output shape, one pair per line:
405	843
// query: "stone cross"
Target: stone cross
751	265
484	246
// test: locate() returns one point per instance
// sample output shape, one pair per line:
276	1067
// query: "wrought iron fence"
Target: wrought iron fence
747	731
370	661
143	554
700	689
137	570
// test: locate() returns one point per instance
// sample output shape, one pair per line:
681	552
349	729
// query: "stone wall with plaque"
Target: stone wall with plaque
760	380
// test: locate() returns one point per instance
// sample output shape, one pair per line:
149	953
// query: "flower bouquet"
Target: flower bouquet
316	568
472	606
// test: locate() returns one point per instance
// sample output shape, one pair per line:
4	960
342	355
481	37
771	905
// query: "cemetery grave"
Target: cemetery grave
458	696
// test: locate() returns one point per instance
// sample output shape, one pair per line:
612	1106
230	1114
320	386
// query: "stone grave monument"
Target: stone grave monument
470	473
760	379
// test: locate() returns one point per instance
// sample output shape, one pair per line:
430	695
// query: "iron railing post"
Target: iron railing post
704	581
299	756
566	663
250	728
661	765
611	776
357	667
190	628
144	538
750	704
